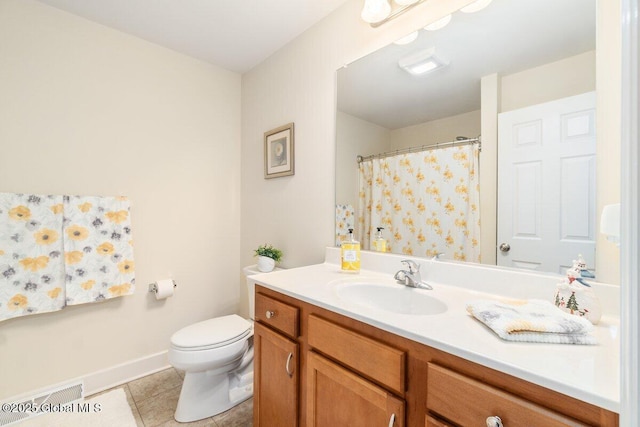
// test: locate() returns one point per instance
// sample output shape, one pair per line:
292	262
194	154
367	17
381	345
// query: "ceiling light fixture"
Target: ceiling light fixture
377	12
439	24
475	6
422	62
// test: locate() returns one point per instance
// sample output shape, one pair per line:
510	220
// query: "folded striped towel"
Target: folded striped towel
532	321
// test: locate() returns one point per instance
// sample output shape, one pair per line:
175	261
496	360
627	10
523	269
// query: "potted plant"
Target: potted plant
268	256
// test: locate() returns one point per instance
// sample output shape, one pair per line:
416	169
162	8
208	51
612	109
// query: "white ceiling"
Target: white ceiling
506	37
234	34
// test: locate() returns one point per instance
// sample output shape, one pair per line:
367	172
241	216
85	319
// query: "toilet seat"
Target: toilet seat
212	333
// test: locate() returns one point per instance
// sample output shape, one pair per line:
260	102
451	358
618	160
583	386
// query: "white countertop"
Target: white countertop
587	372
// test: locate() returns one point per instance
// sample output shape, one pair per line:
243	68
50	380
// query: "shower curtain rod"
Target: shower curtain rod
435	146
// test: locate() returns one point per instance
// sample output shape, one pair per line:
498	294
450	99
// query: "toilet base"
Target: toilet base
204	394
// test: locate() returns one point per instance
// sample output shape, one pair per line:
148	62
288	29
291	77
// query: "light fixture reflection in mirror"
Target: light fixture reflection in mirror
382	109
409	38
439	24
422	62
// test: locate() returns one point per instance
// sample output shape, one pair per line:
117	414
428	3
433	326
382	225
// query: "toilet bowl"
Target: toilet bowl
217	357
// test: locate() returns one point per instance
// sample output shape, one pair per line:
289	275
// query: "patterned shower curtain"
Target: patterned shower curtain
427	202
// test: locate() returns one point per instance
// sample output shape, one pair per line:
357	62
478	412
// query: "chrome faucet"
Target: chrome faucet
411	277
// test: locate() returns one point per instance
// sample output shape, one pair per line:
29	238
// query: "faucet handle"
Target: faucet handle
413	267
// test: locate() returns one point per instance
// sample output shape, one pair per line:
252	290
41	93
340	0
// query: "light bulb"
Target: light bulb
375	10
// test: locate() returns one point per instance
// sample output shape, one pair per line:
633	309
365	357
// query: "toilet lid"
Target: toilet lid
211	333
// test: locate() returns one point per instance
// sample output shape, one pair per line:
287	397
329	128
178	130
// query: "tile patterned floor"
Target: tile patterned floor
153	400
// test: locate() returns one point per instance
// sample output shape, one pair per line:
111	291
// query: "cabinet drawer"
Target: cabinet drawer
432	422
381	363
465	401
338	397
278	315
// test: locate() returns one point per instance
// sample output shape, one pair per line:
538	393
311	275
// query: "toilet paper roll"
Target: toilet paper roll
164	288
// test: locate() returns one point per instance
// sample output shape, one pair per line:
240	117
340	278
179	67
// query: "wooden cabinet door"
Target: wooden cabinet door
276	379
339	397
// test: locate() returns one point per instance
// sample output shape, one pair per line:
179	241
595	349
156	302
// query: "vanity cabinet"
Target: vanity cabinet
276	356
349	373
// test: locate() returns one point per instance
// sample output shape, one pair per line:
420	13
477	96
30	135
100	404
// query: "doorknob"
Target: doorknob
504	247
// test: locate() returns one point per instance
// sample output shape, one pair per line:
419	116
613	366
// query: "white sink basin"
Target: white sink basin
390	297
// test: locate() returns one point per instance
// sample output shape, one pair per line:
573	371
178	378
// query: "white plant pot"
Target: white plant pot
266	264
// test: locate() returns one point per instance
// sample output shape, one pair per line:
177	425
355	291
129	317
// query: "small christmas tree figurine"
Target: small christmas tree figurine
572	303
574	295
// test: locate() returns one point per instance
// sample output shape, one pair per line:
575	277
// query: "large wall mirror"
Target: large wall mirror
512	56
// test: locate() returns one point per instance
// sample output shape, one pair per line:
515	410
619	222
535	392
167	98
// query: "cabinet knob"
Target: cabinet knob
392	420
494	421
287	367
270	314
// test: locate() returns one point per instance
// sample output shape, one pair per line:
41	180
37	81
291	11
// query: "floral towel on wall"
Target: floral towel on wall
62	250
98	248
31	255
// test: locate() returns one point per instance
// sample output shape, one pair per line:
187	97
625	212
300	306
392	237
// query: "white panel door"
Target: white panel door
546	184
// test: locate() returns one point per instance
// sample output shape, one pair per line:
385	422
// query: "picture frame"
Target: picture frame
279	152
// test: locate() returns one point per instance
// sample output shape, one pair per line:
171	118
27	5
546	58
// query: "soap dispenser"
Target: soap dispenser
350	254
379	243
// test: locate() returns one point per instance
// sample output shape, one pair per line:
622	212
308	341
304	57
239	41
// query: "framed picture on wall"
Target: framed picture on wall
278	152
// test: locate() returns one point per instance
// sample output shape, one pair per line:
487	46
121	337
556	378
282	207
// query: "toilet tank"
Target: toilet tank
251	287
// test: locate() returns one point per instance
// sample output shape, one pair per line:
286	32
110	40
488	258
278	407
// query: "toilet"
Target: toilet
217	357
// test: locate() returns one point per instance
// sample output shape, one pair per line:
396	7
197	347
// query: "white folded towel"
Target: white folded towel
532	321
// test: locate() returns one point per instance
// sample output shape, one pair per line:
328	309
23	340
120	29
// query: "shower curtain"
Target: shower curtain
427	202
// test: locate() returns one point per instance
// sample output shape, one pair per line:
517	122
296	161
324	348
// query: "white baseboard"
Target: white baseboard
123	373
107	378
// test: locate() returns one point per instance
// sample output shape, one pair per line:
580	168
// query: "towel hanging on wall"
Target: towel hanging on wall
62	250
31	254
98	248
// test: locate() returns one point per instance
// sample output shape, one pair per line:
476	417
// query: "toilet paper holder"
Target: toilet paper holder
153	287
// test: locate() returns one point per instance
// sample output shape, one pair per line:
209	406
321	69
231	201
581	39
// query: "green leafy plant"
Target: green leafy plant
269	251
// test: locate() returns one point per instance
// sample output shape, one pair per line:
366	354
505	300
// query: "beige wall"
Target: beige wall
91	111
608	130
355	137
548	82
442	130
